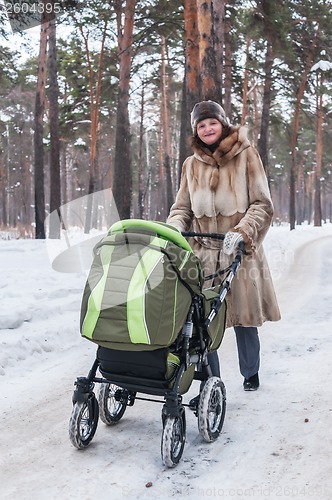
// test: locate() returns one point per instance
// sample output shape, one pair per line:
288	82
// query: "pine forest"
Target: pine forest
99	98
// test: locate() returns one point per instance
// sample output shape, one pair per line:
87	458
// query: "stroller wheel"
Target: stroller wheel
83	422
112	403
211	409
173	440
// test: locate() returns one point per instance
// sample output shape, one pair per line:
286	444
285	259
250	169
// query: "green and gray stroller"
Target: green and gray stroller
145	307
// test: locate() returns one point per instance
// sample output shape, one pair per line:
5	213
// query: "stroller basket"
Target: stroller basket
154	325
144	370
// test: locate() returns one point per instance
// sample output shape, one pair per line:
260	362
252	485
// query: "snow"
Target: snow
80	142
321	65
275	443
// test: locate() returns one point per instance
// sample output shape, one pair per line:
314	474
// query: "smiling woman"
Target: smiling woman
224	190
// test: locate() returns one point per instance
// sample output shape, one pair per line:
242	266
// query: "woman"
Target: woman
224	190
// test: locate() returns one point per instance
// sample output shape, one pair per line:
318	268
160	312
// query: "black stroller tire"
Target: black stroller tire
111	408
173	440
211	409
83	422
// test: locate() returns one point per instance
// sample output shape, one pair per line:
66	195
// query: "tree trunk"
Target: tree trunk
262	144
190	92
122	185
3	220
94	90
245	85
160	180
55	184
256	115
319	156
218	38
165	130
310	190
38	136
300	191
296	122
140	158
207	59
227	84
192	54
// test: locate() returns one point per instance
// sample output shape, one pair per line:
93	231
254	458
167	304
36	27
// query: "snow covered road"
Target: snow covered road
276	443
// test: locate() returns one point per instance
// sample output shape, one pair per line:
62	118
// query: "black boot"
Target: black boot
252	383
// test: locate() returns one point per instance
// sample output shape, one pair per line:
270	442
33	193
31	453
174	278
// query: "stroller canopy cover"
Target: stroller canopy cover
140	286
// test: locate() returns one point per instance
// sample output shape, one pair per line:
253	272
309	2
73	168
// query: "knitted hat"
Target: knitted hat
207	109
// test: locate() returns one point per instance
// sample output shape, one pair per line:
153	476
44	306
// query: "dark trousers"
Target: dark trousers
248	348
214	363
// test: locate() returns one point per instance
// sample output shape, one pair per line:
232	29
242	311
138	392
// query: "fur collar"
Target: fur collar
235	142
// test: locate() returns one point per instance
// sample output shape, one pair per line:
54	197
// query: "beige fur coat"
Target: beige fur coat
222	191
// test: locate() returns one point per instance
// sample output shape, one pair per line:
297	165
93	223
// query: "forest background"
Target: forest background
105	104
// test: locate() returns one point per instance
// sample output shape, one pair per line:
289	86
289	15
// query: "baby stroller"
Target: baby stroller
145	307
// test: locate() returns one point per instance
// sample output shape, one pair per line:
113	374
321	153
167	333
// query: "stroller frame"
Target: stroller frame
118	391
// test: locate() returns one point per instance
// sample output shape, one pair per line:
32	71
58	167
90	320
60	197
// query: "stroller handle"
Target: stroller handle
216	236
232	270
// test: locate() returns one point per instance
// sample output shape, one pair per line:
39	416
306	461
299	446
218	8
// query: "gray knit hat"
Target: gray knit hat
207	109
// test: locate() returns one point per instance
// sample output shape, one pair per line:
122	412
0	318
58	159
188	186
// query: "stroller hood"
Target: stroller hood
140	286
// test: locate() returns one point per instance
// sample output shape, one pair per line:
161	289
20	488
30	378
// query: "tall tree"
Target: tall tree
38	134
245	85
166	129
320	70
268	20
319	156
227	82
262	144
122	182
95	95
310	35
53	97
141	178
190	92
296	124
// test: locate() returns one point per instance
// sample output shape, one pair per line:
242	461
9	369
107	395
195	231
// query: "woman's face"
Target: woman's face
209	130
